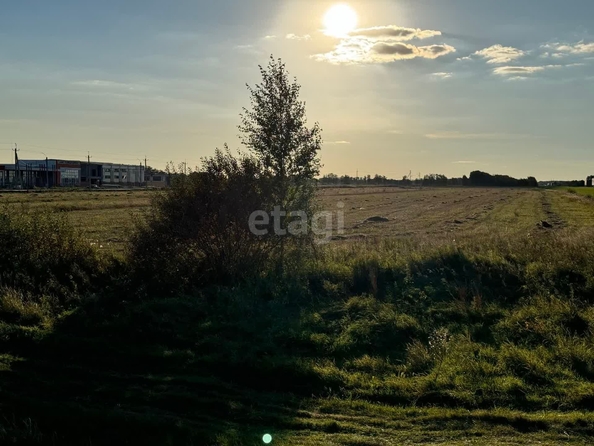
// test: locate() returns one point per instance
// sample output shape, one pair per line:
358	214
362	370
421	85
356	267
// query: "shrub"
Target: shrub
197	231
43	254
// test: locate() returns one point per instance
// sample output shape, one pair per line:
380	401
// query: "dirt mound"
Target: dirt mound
376	219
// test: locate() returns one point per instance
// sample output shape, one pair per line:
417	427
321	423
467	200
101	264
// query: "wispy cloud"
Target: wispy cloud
462	135
296	37
464	162
567	48
498	54
103	84
442	75
522	71
248	49
270	37
337	142
394	33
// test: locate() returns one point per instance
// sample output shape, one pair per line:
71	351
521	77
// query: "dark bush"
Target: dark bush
197	231
41	254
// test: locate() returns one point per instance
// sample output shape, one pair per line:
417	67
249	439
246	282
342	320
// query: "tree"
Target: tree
275	131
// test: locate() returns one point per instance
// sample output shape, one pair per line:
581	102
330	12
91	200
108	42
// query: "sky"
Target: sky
420	86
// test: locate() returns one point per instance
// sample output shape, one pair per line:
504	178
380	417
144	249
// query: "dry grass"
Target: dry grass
104	217
438	215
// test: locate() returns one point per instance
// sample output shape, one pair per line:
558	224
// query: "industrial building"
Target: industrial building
28	174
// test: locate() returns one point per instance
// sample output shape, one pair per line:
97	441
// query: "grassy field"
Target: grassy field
106	217
584	191
461	316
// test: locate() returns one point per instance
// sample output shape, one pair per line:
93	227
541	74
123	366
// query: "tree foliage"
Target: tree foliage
478	178
275	131
197	232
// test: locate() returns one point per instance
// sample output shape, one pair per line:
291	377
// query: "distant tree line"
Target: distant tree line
381	180
476	178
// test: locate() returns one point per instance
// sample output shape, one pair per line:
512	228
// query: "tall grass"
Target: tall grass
42	255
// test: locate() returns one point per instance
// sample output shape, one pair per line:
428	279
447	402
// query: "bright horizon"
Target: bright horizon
421	86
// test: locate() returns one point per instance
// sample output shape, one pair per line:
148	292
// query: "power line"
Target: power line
79	151
117	155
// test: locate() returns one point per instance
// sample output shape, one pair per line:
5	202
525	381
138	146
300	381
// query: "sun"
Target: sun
340	20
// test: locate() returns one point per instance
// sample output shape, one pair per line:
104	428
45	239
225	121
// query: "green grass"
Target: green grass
486	340
104	217
584	191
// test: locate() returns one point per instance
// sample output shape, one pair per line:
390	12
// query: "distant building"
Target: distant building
156	180
118	174
559	183
68	173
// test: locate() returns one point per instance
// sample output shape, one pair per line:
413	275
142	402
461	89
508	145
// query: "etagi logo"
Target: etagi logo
321	223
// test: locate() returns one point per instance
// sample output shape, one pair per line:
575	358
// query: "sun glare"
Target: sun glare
340	20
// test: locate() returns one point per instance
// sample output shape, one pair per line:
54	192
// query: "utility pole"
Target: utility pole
46	173
144	176
16	163
89	168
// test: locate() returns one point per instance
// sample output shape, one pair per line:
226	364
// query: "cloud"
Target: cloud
461	135
397	49
392	32
337	142
358	50
270	37
576	48
383	44
464	162
247	49
296	37
442	75
98	83
498	54
520	71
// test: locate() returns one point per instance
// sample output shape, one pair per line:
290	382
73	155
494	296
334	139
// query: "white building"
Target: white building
123	174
